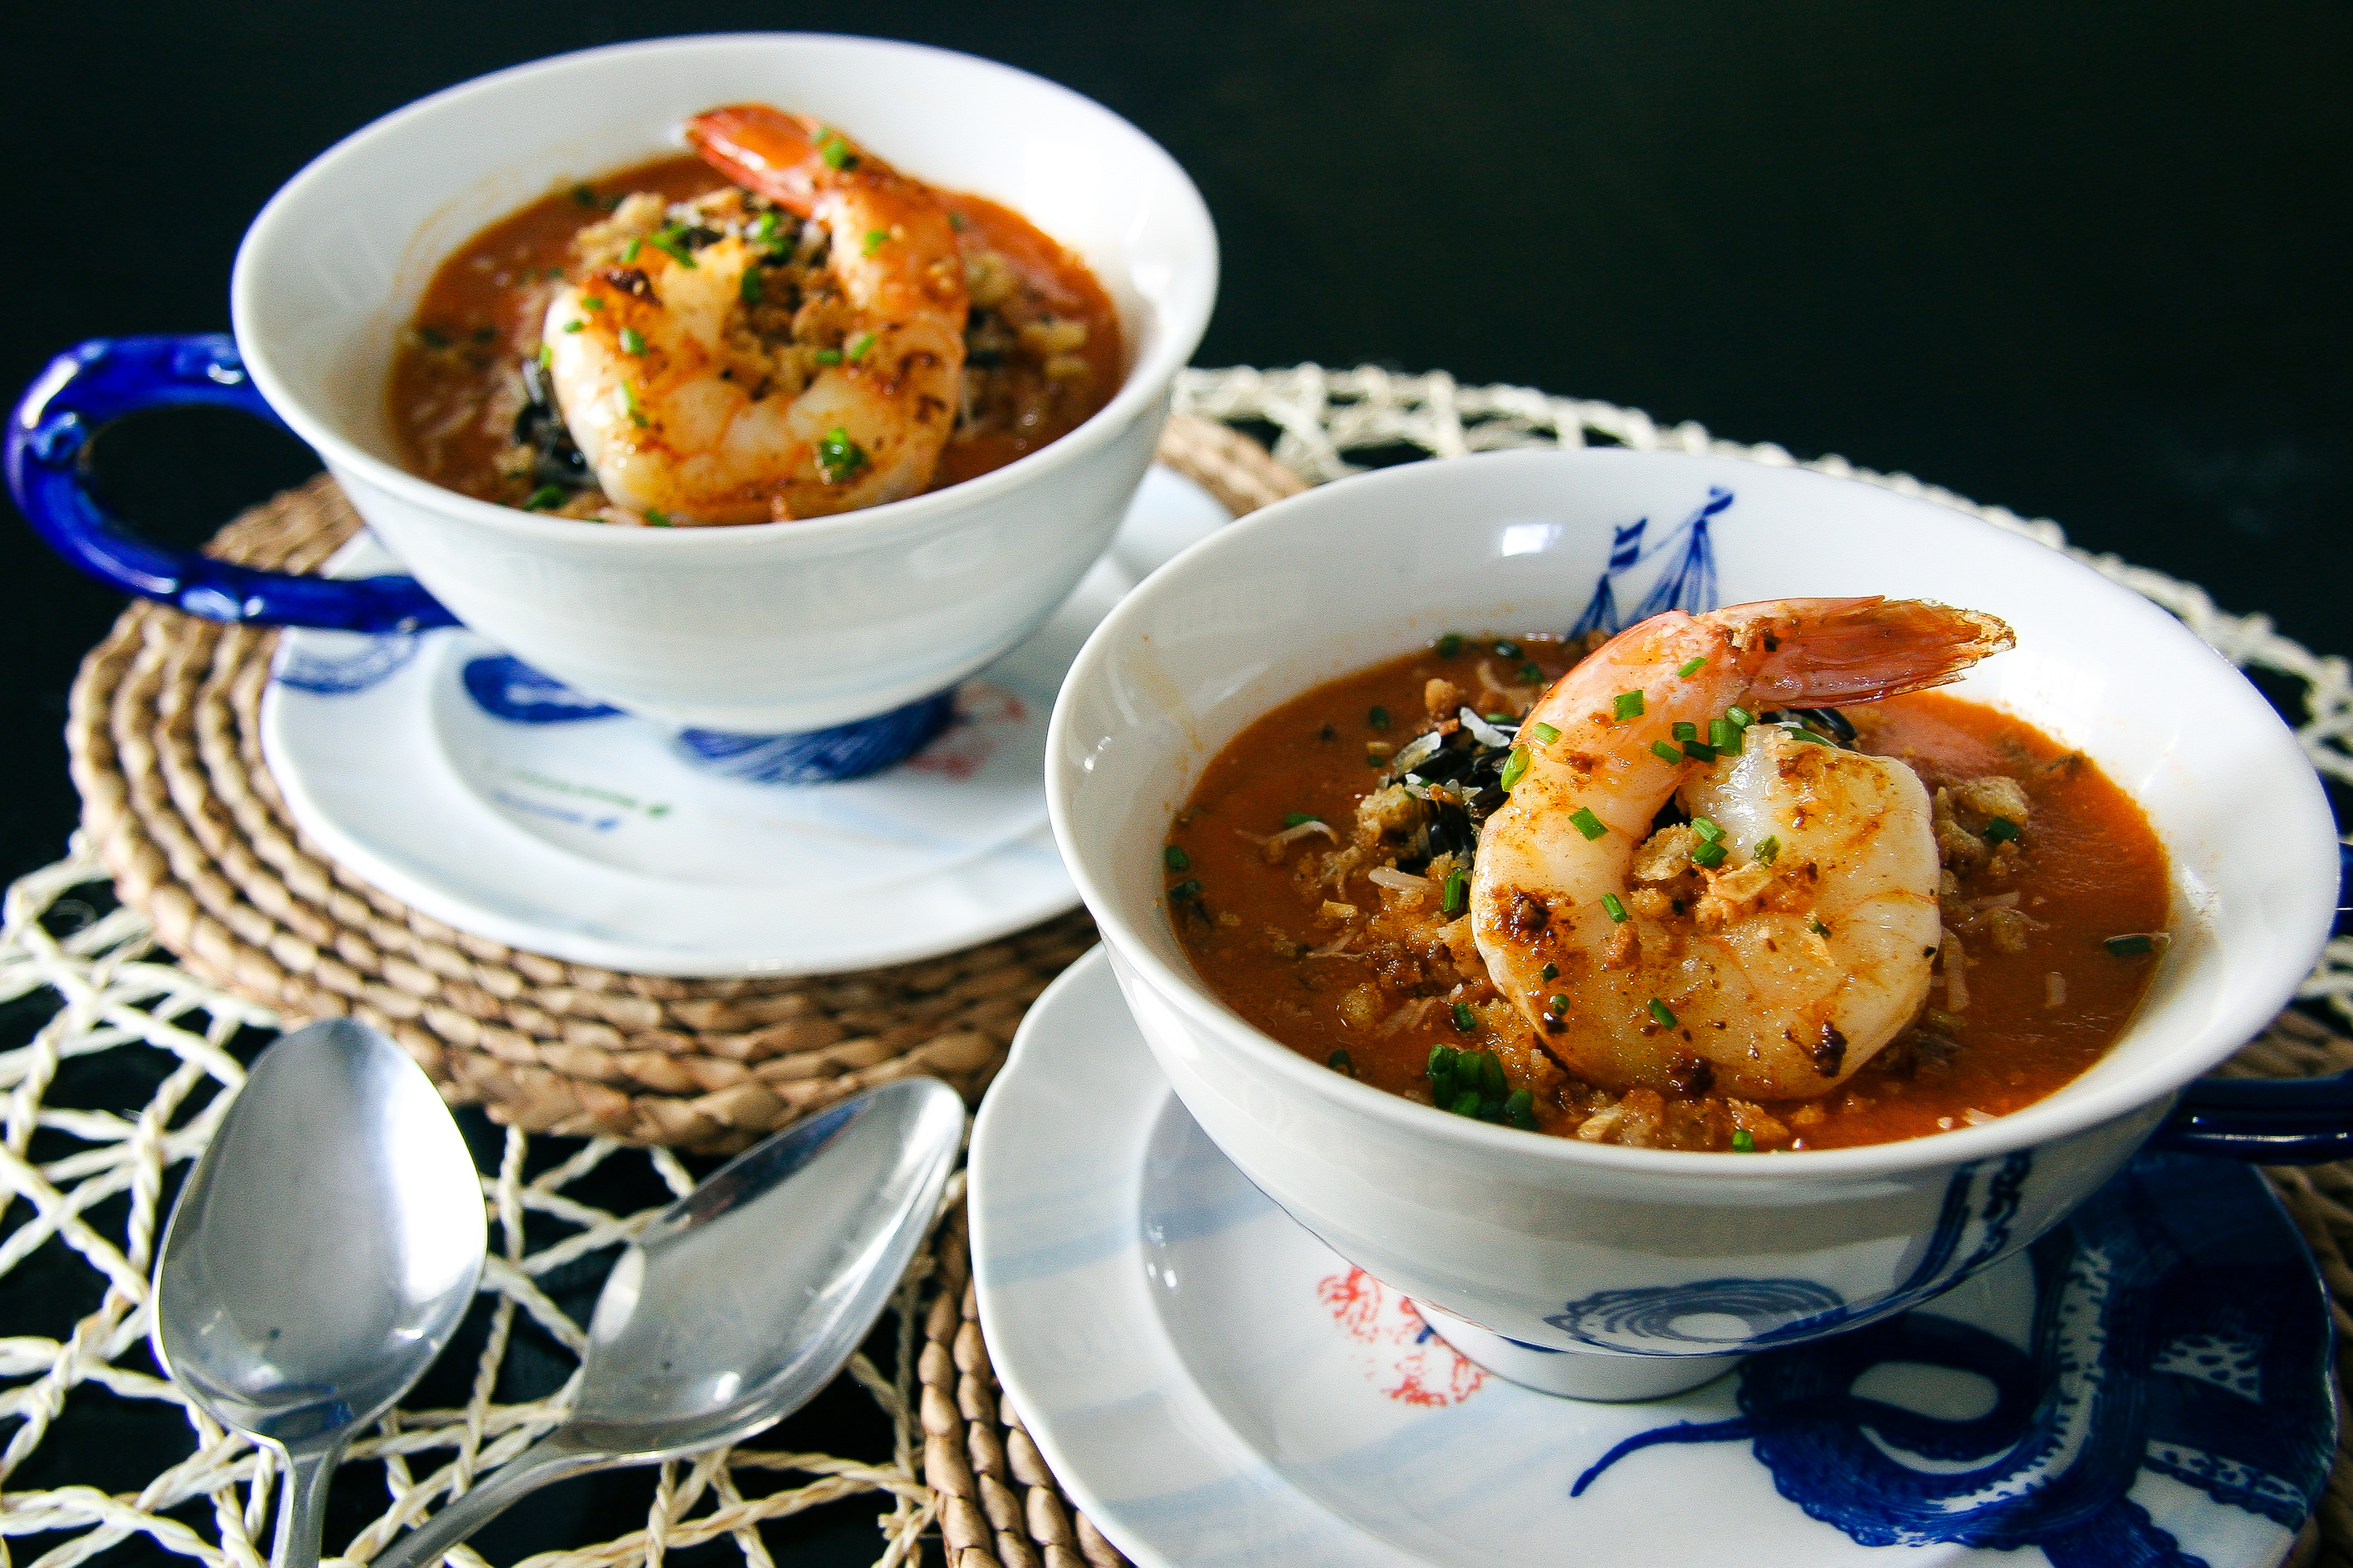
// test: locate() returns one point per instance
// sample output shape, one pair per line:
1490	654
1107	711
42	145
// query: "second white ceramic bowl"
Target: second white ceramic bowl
1664	1262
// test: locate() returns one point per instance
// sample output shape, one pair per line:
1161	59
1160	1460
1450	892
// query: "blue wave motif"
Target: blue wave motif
820	756
377	661
2169	1334
506	687
1688	583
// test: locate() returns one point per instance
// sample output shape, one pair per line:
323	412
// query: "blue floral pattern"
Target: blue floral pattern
1688	583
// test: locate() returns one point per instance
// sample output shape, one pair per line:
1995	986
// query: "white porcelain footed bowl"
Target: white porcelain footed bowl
1660	1262
764	628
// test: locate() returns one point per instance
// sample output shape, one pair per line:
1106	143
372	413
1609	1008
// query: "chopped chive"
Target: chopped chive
1740	716
1628	704
1466	1103
1532	671
1501	717
1515	767
1544	733
1520	1109
2000	830
1659	1011
545	497
1491	1075
1725	736
1743	1141
1817	928
955	221
573	326
1666	753
1699	751
1450	645
584	195
671	242
1375	760
1464	1019
1799	732
629	251
546	357
590	303
839	456
749	289
829	356
1690	666
1552	971
1613	906
855	349
656	517
2130	946
632	340
1585	822
1506	648
1710	856
1176	860
1683	732
1340	1061
433	339
629	402
876	239
1708	830
836	153
1299	818
1456	895
1767	849
1559	1004
1378	718
767	228
1442	1060
1187	888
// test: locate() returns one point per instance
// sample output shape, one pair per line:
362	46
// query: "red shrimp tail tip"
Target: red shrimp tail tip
763	149
1823	652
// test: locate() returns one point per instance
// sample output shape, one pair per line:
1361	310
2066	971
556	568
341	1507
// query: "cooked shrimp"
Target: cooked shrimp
1779	970
684	419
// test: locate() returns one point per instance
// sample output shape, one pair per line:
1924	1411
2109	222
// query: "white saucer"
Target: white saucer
1215	1386
593	840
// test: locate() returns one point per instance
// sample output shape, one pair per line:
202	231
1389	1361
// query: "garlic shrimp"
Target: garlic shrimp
697	399
1771	946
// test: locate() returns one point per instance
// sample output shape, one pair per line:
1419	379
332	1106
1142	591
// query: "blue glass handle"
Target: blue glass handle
102	380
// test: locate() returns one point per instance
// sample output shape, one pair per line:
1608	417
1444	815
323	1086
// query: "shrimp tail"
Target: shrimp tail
1818	653
764	149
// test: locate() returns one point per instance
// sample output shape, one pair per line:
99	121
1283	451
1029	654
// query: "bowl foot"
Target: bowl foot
1597	1375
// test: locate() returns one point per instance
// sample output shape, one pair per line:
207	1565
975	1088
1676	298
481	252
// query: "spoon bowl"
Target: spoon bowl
742	1299
320	1256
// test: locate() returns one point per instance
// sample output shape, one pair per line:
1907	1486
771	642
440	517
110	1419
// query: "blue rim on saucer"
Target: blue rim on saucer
2150	1383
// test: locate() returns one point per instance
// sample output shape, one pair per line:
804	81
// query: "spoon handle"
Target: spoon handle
303	1514
552	1458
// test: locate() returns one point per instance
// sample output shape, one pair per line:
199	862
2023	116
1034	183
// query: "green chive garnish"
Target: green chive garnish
1499	718
1450	645
1740	716
1743	1141
1725	736
829	356
656	517
1532	671
876	239
1559	1004
671	242
1552	971
1710	856
1340	1061
1176	860
839	456
1456	894
1611	906
1299	818
1442	1060
1801	733
1515	767
583	195
629	251
1690	666
632	340
546	357
2130	946
1463	1018
836	153
1699	751
629	402
590	303
1666	753
545	497
1817	928
1708	830
855	349
1682	731
1505	648
1378	718
1767	850
749	289
1520	1109
2000	830
1659	1011
1628	704
1466	1103
1585	822
1491	1075
573	326
1187	888
1544	733
766	229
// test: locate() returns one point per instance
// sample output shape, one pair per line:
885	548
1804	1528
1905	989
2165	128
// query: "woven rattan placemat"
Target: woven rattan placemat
182	814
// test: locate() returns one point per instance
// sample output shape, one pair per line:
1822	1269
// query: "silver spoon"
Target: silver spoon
320	1256
742	1299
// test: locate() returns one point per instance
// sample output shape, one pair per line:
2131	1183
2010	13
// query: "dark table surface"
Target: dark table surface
2090	262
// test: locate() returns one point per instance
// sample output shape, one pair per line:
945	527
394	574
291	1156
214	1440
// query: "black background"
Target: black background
2087	261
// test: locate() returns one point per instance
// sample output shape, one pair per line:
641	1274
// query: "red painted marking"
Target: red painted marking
1399	1351
964	748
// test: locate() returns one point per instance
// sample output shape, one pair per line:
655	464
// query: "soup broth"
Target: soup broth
2051	925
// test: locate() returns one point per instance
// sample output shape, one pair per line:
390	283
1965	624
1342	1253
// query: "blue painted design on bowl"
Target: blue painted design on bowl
1688	583
370	664
842	751
2169	1335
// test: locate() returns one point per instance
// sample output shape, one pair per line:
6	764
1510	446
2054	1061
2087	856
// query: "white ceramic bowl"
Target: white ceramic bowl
767	628
1522	1247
